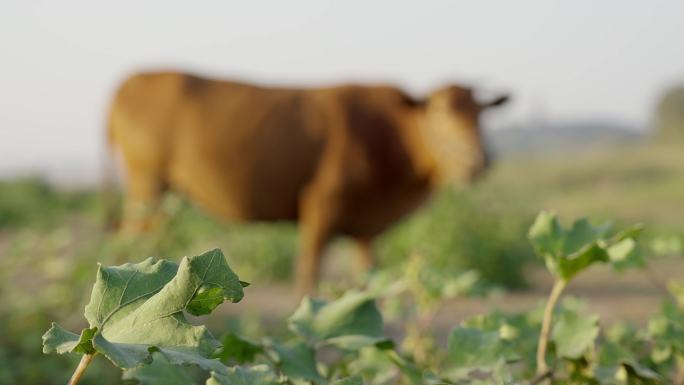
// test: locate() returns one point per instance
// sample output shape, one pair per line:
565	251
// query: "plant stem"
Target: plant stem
541	377
656	280
556	291
679	371
80	369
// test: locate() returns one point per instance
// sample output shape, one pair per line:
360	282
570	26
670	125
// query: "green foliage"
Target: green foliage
255	375
51	239
296	360
475	348
569	251
670	114
137	309
56	236
667	330
667	245
353	380
51	242
574	334
136	319
32	202
158	372
351	322
239	349
461	231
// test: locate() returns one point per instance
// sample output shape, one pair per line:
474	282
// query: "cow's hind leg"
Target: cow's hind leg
366	261
144	190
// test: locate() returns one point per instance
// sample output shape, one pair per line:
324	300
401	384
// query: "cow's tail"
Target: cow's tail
108	185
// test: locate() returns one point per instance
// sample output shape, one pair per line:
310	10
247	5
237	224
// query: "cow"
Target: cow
340	160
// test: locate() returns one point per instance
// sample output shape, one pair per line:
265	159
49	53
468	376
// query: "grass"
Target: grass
639	182
50	239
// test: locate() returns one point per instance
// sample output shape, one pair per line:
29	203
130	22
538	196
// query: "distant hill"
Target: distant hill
560	137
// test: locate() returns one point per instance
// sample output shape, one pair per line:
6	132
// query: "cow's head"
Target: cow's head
451	118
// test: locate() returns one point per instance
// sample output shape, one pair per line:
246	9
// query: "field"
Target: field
472	240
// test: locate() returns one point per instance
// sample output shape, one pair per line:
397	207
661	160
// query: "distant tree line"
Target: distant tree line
670	113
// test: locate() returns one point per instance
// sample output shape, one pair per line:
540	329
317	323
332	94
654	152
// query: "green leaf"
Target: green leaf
569	251
569	266
546	234
59	340
205	301
238	348
667	329
519	333
677	290
295	360
621	251
412	372
581	234
353	380
138	309
255	375
646	375
633	232
351	321
574	334
471	348
356	342
159	372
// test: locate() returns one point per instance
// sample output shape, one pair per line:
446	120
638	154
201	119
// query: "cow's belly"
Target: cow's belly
233	197
371	212
238	182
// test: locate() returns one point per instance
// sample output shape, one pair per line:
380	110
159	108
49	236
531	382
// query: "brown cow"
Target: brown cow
349	160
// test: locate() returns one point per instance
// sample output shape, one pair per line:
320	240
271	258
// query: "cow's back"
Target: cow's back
241	151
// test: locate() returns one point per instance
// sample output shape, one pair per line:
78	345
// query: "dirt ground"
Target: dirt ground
633	296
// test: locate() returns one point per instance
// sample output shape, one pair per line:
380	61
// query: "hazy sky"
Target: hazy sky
562	60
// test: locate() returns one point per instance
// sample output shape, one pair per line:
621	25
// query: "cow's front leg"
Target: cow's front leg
317	222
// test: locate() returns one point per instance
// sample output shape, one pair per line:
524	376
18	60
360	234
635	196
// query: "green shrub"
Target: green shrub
137	320
33	202
461	230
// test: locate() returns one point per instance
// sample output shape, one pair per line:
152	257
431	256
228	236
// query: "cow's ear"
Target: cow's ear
411	101
499	101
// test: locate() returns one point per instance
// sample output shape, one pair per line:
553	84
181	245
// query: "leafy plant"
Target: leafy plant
460	231
136	310
137	320
567	252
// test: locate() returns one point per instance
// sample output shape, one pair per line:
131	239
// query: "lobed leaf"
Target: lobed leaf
353	380
295	360
159	372
138	309
569	251
473	348
574	334
352	321
255	375
238	348
59	340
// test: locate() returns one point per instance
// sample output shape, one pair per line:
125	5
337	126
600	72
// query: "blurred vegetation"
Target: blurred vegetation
51	238
343	341
33	203
463	230
670	114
